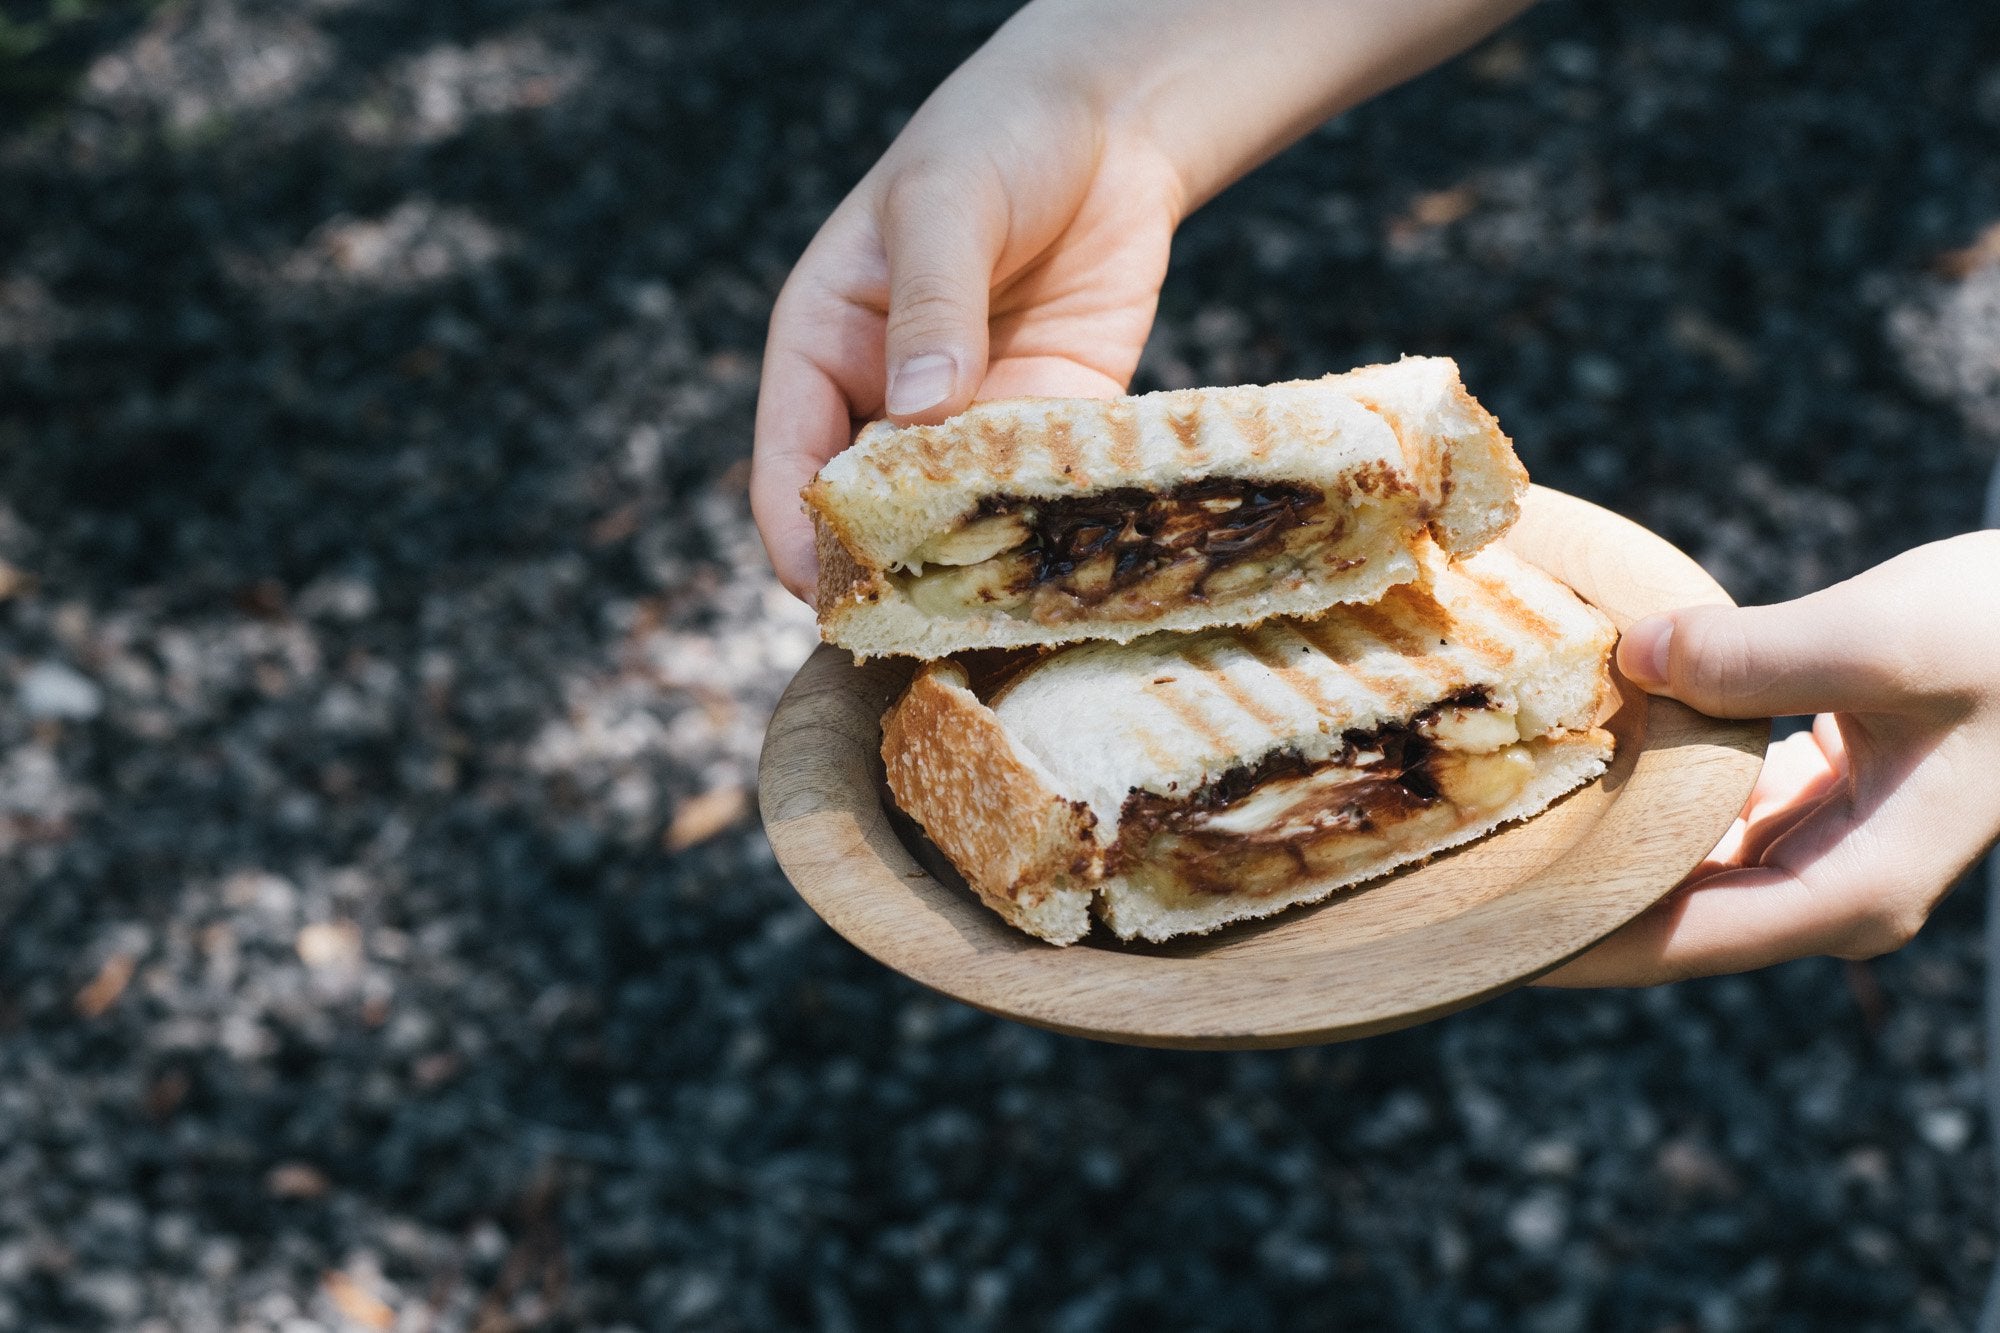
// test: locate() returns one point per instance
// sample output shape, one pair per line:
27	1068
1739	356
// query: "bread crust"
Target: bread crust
1028	852
842	583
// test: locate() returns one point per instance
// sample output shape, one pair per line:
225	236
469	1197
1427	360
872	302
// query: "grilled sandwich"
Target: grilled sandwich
1184	781
1044	521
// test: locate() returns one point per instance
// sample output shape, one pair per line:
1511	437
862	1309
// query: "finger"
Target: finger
1729	922
1791	766
1808	779
941	235
822	371
1849	880
1769	661
1046	377
801	422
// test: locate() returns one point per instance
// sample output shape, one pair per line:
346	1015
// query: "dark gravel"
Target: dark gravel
384	651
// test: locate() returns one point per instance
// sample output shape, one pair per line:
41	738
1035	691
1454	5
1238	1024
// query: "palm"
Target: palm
1072	293
1073	319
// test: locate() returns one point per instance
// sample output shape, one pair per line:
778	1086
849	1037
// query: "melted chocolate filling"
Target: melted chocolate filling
1392	789
1221	520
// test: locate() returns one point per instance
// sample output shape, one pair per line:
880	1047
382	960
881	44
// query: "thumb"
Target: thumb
941	238
1814	655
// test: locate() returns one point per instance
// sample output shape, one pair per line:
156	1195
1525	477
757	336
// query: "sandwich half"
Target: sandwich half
1185	781
1047	520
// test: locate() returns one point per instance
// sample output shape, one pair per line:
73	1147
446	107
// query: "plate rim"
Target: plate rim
834	840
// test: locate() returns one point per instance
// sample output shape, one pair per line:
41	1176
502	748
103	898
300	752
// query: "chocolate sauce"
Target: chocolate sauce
1220	520
1393	786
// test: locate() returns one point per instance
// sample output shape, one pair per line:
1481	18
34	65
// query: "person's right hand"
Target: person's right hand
1013	239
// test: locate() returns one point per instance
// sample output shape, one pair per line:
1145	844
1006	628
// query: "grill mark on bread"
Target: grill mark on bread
1190	715
1254	422
934	455
1512	608
1186	426
1265	643
1000	441
1392	630
1122	421
1060	442
1326	639
1420	464
1205	655
1439	624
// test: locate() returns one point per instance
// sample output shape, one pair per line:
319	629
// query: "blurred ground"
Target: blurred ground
384	652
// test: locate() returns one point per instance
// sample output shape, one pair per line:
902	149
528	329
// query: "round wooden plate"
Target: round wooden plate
1415	946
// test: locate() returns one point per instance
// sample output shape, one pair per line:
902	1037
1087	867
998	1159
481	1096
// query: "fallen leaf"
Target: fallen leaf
166	1093
1441	208
704	816
295	1180
105	988
435	1070
1427	212
615	526
356	1302
1984	250
330	944
13	581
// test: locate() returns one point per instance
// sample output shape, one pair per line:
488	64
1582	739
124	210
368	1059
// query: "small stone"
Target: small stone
51	691
330	944
295	1180
1539	1222
1945	1128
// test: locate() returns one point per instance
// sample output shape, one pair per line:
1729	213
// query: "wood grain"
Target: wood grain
1417	945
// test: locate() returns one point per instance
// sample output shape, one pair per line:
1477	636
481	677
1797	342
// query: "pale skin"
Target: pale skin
1013	241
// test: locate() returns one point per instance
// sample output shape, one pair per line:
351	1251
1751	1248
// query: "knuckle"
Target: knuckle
924	300
923	191
1881	933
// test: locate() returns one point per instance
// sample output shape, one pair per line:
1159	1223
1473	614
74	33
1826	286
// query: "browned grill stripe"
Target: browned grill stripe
1186	427
933	455
1191	717
1322	637
1393	629
1122	420
1440	624
1422	464
1279	649
1204	655
1512	608
1001	441
1063	453
1255	425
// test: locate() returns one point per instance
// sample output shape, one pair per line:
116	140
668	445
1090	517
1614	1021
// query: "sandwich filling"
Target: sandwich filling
1262	827
1125	552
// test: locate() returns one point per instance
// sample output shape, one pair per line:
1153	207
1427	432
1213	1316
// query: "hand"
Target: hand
1014	237
1010	242
1857	830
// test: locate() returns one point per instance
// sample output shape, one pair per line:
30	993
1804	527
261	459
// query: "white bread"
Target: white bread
1562	764
1025	791
1405	444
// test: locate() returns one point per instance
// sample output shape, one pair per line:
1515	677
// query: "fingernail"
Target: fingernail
1643	653
921	383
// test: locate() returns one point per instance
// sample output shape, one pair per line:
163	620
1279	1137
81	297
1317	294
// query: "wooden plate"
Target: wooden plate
1418	945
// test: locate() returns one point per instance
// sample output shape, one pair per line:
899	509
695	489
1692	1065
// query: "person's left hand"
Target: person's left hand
1856	830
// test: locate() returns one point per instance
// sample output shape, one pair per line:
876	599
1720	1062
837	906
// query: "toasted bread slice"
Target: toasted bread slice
1182	782
1044	521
